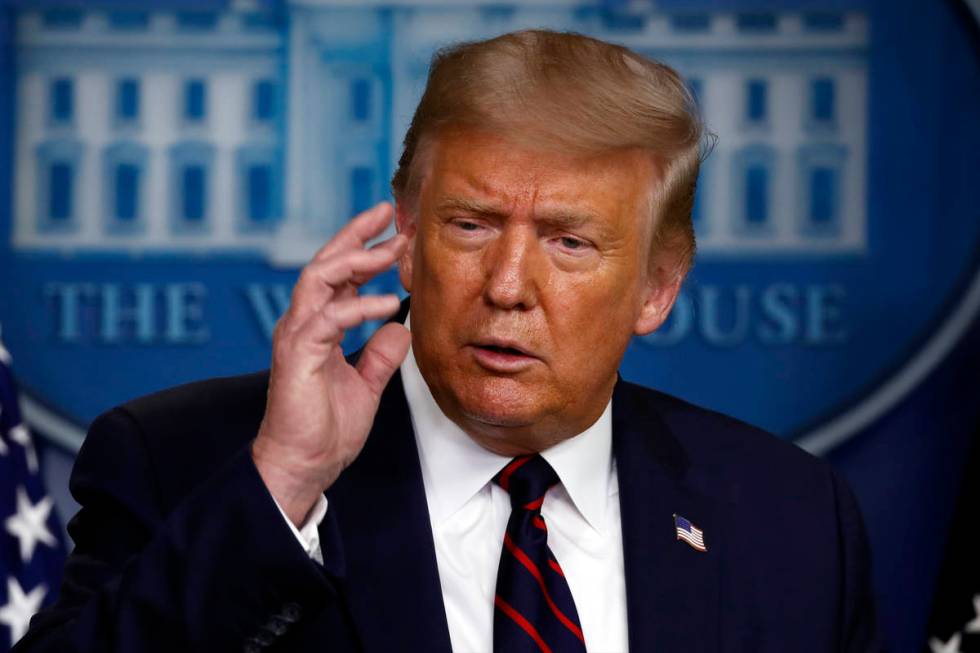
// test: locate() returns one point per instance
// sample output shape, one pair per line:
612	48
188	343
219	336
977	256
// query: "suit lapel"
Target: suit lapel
378	538
672	590
389	571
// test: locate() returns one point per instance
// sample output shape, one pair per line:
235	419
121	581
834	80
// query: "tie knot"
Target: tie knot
526	479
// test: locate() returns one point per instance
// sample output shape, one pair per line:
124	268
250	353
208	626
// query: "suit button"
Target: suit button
291	612
263	638
277	625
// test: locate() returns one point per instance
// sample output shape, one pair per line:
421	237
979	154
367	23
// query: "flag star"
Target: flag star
20	608
29	525
3	445
974	626
952	646
22	436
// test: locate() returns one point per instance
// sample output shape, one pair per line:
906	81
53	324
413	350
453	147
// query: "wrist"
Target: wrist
295	488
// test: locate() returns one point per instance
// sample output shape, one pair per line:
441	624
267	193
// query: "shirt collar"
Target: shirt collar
455	467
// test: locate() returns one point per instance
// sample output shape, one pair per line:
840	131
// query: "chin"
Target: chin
500	402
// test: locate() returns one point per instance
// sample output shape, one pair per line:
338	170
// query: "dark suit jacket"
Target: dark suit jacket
179	546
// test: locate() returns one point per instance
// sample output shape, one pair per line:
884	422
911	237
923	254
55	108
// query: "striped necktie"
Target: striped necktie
534	611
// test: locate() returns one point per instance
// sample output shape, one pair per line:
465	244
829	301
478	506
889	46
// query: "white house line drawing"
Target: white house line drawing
257	130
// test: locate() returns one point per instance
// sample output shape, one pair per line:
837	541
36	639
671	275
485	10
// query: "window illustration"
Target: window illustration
756	101
361	189
260	197
196	20
822	99
754	167
690	22
62	101
195	100
820	171
57	190
129	20
756	21
190	194
62	18
360	99
264	100
124	177
127	100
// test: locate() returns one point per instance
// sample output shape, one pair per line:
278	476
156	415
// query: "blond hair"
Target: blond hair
573	92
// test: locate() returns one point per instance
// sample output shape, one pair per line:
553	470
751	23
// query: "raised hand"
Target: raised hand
320	408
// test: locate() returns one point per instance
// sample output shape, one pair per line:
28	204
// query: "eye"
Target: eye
467	225
573	245
568	242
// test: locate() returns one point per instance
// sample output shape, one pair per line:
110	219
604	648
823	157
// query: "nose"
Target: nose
511	269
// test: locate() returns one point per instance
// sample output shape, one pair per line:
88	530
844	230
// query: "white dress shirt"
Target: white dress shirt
469	514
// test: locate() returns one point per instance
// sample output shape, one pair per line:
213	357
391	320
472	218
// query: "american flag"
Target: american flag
31	548
689	533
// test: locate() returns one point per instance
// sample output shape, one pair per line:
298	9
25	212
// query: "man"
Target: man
503	490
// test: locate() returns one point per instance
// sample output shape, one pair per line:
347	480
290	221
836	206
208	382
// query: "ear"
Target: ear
662	287
405	224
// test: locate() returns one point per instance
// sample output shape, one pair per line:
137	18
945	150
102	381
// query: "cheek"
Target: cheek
593	321
447	284
449	272
602	299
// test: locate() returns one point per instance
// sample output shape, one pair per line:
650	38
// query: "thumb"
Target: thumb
382	355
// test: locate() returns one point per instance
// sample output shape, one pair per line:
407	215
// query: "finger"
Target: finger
382	355
397	245
363	308
365	226
322	281
345	292
327	325
353	263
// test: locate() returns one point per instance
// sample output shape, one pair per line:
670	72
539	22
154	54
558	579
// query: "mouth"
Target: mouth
503	349
504	346
502	356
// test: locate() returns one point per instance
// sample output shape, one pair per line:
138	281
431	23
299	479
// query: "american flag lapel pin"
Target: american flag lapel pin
689	533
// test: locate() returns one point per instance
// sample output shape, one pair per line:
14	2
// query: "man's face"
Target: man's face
529	271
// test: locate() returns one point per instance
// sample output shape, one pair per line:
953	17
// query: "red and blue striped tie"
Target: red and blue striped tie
534	611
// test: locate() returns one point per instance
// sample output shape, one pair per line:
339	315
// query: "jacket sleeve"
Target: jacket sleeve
859	622
218	571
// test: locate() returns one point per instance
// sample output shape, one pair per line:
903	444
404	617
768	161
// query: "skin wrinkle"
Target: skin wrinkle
422	167
505	271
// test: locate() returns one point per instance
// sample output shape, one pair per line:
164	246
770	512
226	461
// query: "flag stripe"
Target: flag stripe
697	545
693	538
688	536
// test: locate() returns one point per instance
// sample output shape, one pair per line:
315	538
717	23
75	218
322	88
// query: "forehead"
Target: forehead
475	170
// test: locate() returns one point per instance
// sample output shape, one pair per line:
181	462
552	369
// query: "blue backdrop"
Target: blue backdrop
167	167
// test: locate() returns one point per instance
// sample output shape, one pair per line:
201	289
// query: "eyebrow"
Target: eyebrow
557	217
470	205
